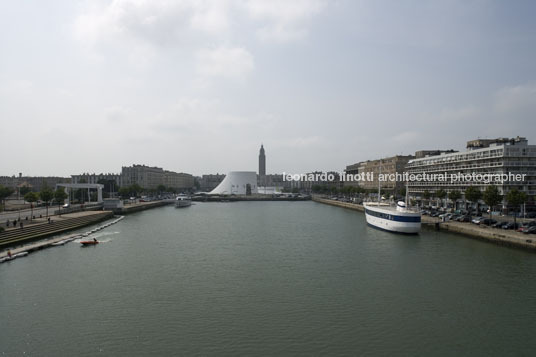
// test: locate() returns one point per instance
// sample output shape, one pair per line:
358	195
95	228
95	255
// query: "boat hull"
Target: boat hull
393	221
89	242
183	203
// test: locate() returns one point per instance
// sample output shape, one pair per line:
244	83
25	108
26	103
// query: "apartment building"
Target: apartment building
486	161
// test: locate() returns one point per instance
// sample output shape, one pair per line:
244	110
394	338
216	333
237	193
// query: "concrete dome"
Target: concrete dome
236	182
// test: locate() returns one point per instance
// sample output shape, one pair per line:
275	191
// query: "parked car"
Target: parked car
497	224
464	218
476	220
530	230
510	225
525	226
487	221
66	205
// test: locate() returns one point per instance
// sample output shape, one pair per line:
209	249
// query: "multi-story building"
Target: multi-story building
95	178
277	181
424	153
353	171
390	168
144	176
307	181
499	161
209	182
35	183
178	180
151	177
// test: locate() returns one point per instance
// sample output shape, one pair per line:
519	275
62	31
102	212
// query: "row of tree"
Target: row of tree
472	194
46	195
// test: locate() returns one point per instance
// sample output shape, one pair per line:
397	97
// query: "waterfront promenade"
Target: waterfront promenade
498	236
42	228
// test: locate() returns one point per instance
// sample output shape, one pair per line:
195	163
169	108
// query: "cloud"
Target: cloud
304	142
285	21
225	62
506	112
158	22
17	87
117	114
519	100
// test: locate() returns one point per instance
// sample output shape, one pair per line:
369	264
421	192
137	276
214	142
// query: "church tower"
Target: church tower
262	162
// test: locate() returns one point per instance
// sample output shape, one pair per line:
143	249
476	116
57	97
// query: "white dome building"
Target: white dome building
237	183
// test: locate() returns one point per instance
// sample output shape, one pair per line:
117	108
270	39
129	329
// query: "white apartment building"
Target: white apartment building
484	158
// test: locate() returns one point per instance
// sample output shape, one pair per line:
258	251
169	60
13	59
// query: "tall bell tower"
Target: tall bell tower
262	162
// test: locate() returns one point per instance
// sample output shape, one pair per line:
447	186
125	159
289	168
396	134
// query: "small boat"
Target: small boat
183	201
89	242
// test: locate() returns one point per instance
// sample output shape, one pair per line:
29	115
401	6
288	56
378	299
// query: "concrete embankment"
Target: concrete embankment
26	248
498	236
140	206
42	228
258	197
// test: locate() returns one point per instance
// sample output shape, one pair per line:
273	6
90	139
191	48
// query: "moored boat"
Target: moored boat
398	219
183	201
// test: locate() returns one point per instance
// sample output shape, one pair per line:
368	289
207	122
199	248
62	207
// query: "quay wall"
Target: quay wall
141	206
494	235
247	198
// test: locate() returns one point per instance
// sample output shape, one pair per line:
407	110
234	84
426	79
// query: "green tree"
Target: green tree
402	192
473	194
454	196
441	194
5	192
60	196
516	198
31	197
124	192
197	184
23	190
161	188
135	189
46	195
492	197
426	196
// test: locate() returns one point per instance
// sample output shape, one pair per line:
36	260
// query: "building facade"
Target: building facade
95	178
390	166
353	170
151	177
35	183
484	158
178	180
209	182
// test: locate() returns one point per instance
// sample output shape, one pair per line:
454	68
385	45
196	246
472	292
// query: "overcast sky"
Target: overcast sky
197	86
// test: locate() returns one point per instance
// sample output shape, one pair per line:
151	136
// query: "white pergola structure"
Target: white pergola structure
89	186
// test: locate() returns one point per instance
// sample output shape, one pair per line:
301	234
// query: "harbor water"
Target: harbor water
268	278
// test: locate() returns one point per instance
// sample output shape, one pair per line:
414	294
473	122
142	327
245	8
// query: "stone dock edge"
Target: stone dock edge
488	234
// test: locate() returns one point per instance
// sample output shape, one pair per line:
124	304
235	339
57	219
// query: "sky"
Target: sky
197	86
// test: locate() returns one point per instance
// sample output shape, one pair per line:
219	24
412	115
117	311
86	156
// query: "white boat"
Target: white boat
398	219
183	201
